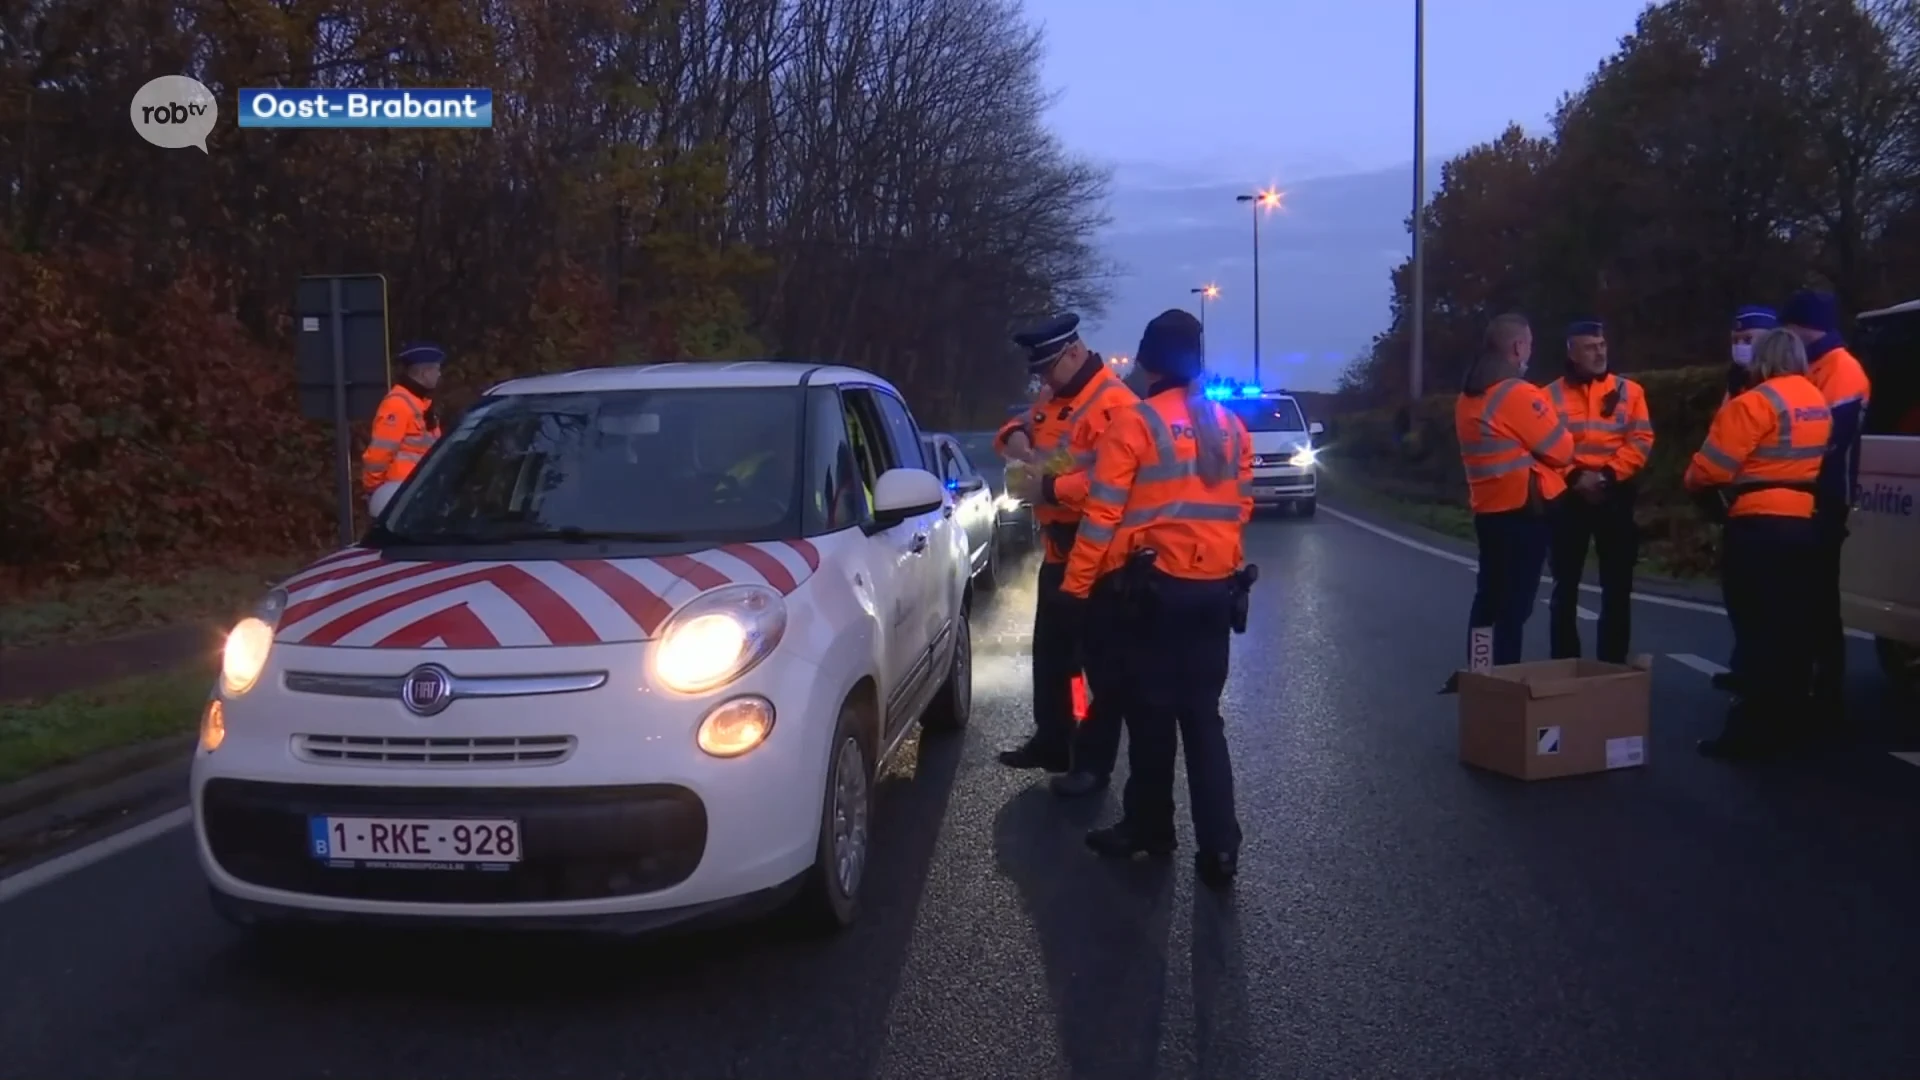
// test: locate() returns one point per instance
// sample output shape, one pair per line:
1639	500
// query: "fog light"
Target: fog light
735	727
213	726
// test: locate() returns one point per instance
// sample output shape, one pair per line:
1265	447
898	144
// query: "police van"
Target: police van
1285	461
1880	568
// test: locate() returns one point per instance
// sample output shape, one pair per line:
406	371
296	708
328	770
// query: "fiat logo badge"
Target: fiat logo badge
427	689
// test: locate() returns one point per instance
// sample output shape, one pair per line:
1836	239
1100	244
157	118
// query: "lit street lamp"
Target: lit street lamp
1264	200
1206	293
1416	354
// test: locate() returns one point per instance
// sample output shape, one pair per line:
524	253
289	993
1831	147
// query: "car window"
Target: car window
837	495
1889	349
950	469
1267	414
901	432
871	451
696	463
961	461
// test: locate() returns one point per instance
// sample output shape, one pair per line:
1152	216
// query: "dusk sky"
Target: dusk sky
1194	100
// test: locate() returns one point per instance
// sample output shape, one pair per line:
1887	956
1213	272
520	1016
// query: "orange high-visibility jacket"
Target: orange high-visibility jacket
1618	441
1511	441
1070	426
1767	445
401	438
1844	382
1145	491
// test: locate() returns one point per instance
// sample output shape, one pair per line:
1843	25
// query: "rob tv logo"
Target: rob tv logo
175	112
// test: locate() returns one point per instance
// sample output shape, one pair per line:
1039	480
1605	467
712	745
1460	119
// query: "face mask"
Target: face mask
1742	353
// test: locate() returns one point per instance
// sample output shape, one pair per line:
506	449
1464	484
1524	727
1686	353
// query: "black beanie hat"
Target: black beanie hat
1171	346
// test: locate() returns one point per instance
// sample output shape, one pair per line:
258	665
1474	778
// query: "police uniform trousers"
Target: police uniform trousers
1771	578
1513	553
1608	527
1103	643
1828	635
1179	639
1055	662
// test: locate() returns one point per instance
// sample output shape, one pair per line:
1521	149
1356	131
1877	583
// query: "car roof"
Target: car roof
690	374
1897	309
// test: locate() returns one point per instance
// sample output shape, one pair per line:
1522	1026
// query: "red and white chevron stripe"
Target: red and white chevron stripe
354	598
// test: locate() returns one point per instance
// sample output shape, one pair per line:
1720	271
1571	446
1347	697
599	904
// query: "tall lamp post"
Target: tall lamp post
1262	201
1206	293
1416	355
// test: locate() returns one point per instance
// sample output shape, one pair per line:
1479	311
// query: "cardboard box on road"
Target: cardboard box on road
1556	717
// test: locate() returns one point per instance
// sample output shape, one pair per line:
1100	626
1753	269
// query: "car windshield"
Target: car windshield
669	465
1268	414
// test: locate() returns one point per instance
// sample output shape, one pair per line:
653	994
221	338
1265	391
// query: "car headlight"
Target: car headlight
1302	458
249	644
717	637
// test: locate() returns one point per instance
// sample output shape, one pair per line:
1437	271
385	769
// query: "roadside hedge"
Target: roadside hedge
1425	466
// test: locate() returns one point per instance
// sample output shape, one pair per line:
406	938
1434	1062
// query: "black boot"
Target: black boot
1031	755
1217	869
1123	841
1746	736
1724	682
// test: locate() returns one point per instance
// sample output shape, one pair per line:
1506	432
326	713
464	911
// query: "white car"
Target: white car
1880	563
1285	462
629	649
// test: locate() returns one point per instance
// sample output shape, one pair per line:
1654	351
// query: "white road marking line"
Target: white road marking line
1462	560
54	869
1698	663
1907	756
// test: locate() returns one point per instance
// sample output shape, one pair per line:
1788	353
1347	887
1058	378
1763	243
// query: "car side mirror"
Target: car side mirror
381	496
903	493
967	485
1316	428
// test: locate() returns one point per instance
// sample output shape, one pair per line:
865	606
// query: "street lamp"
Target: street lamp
1206	293
1262	201
1416	354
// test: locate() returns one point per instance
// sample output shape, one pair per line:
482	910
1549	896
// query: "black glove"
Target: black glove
1736	380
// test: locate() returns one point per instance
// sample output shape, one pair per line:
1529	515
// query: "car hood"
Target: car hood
359	598
1280	442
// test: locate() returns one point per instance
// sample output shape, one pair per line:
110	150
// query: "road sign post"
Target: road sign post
341	363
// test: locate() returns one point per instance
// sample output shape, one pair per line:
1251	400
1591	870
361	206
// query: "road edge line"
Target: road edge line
14	886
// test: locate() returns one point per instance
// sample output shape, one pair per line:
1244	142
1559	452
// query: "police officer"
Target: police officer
1763	459
1750	323
1814	318
1171	491
1612	439
407	423
1080	396
1515	449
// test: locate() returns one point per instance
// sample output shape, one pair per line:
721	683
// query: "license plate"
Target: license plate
414	841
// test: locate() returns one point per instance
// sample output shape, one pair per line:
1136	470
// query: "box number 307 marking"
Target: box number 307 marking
460	840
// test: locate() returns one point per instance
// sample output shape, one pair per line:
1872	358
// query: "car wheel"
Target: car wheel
989	576
830	898
1307	506
953	705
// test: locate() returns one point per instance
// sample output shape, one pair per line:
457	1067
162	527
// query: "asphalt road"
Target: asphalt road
1398	914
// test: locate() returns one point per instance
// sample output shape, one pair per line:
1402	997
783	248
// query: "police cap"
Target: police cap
1586	327
420	352
1172	346
1755	317
1045	342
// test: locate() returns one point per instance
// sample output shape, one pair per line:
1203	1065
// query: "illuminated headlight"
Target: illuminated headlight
736	726
1302	458
717	637
249	644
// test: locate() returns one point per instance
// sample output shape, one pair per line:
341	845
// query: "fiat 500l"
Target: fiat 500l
628	649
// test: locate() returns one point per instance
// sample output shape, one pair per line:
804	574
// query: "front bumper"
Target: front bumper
1287	484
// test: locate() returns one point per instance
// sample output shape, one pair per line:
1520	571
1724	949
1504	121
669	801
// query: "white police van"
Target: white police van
1284	458
1880	569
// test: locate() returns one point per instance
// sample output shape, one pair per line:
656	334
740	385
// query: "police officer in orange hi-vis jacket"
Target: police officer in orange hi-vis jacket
1761	468
1158	564
407	424
1079	396
1516	450
1814	318
1750	324
1612	439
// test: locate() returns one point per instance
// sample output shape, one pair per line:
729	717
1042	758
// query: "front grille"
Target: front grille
579	843
1270	460
415	751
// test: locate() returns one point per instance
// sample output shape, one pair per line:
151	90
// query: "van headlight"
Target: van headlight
1302	458
249	644
717	637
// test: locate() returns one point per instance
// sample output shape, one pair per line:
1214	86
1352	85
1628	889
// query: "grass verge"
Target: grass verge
108	607
38	735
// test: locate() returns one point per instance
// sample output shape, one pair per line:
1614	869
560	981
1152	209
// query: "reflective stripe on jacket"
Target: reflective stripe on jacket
1513	445
1766	445
1145	491
401	438
1621	439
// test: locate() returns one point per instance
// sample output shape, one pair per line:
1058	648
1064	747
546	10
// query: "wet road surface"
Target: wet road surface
1398	914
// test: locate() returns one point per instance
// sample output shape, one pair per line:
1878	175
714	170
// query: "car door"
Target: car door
905	547
975	502
940	576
